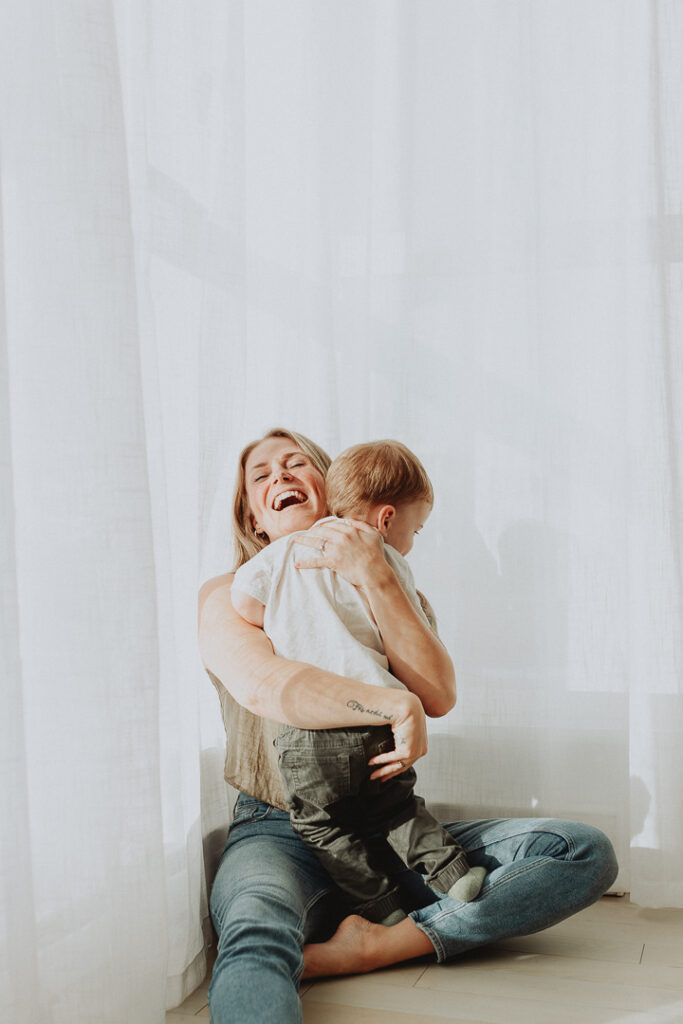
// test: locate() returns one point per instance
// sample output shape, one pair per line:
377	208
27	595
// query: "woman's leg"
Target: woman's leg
269	896
539	872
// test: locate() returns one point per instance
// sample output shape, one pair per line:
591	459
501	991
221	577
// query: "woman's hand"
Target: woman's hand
410	739
350	547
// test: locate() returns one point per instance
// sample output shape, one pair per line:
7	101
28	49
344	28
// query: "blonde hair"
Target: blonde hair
379	471
247	542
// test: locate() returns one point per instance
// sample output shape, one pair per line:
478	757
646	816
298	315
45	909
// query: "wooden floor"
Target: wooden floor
614	963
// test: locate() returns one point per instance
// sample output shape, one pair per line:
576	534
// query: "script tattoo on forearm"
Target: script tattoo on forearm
355	705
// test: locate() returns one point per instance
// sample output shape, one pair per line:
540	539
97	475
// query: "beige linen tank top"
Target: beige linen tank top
250	757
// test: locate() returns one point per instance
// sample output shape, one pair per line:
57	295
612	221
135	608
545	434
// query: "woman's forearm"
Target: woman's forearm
416	655
291	692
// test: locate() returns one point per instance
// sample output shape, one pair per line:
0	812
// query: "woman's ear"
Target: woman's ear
385	513
255	526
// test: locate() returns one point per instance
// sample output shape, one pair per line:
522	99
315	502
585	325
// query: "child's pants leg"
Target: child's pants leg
324	774
421	842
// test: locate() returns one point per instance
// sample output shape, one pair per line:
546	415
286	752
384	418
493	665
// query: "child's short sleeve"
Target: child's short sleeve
405	578
255	577
428	610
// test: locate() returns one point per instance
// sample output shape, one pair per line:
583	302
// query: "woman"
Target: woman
270	895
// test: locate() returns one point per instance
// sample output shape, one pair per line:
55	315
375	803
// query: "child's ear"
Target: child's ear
385	513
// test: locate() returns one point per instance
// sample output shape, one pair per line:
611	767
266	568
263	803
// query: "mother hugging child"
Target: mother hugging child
280	903
312	614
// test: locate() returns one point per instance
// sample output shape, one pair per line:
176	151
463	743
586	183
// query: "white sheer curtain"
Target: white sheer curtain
456	223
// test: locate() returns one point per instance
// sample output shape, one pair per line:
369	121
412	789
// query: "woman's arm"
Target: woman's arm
416	655
241	657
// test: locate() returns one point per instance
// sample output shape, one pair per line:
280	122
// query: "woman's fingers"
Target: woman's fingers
322	540
389	771
389	765
334	529
315	563
394	762
314	540
358	524
391	756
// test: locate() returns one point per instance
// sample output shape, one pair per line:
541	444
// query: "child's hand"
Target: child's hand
348	546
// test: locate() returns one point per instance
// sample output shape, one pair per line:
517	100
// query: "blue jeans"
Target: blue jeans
271	895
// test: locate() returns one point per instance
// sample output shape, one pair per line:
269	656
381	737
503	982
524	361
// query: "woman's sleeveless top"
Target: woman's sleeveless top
250	757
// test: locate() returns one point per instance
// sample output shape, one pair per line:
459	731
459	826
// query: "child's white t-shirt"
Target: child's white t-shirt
316	616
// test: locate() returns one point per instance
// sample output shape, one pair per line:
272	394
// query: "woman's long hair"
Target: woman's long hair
247	542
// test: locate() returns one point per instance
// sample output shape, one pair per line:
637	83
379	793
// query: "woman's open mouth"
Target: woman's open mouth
289	498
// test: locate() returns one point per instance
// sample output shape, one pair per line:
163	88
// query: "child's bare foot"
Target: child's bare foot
345	953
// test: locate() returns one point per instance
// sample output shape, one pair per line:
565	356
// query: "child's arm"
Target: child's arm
248	607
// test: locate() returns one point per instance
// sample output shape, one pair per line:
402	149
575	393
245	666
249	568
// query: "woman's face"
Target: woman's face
285	491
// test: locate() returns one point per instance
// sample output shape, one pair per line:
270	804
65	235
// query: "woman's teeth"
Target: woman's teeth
288	498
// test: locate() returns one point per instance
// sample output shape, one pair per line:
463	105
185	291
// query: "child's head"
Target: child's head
384	484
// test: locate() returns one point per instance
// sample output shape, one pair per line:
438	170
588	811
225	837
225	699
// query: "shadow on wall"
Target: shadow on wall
534	742
657	869
523	773
513	614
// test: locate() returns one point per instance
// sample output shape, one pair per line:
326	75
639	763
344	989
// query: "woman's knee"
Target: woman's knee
581	844
264	903
588	846
258	899
260	924
599	851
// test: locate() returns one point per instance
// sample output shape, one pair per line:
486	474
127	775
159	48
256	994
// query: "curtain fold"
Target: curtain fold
457	224
19	970
85	563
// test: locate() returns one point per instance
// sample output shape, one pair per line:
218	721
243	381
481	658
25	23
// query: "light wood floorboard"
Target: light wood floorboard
328	1013
614	963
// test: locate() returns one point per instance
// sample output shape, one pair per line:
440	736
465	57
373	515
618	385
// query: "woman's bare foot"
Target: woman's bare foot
345	953
359	946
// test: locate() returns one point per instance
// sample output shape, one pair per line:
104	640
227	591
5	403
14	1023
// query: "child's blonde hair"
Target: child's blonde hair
373	473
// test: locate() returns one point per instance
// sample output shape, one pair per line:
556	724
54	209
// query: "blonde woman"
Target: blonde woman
276	911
